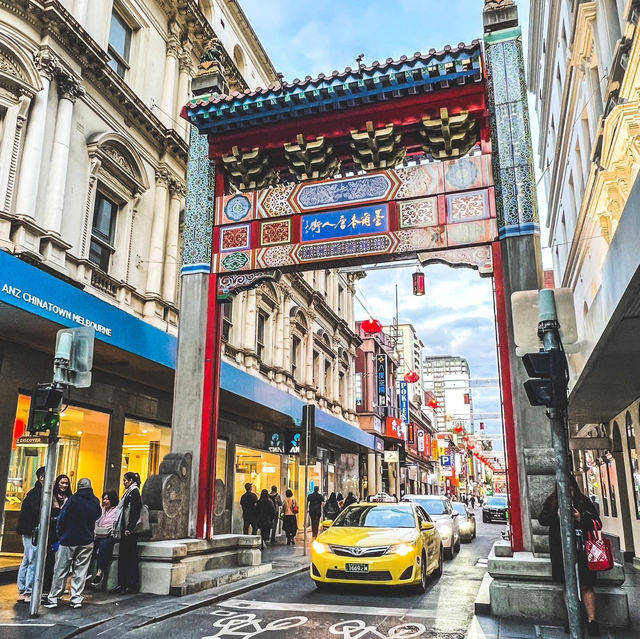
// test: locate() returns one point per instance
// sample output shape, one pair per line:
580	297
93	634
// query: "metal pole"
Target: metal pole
306	484
548	330
51	463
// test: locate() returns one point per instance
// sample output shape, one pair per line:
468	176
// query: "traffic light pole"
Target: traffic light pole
51	463
548	330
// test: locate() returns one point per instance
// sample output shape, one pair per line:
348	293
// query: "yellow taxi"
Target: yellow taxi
378	543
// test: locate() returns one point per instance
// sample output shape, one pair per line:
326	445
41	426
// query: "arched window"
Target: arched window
239	59
267	302
633	462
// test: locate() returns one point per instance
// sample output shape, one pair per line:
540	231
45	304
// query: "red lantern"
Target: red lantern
458	429
411	377
433	403
418	283
371	326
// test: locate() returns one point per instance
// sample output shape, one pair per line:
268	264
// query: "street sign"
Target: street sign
404	402
381	379
445	461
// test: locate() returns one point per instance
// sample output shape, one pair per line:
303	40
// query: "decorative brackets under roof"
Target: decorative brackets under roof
450	136
311	159
248	171
377	149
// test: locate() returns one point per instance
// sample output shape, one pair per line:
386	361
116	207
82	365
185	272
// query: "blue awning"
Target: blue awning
241	383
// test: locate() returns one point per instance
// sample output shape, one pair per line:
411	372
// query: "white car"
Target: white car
445	518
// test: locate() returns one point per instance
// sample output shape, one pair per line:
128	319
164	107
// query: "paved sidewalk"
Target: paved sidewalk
105	613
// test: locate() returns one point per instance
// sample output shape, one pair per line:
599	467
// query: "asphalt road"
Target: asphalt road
294	608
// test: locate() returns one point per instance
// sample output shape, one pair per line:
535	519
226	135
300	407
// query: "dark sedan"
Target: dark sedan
495	509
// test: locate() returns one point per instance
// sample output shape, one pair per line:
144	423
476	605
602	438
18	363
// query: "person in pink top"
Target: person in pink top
104	539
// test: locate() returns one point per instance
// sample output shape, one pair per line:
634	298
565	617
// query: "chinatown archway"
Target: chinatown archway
427	157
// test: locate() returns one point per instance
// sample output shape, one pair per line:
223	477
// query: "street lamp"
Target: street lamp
418	283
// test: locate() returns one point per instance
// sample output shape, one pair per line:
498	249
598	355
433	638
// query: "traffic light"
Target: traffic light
402	455
549	388
44	412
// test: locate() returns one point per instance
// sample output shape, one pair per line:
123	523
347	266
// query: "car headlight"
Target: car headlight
400	549
444	529
319	547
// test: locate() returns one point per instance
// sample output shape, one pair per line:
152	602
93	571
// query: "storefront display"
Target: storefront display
143	447
82	452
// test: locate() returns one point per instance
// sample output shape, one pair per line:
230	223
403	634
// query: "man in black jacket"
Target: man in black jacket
315	500
27	523
76	532
248	503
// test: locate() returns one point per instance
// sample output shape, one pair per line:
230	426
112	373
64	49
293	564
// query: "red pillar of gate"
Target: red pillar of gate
509	428
210	398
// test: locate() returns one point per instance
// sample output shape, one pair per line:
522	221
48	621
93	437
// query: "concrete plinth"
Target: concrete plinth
520	586
183	566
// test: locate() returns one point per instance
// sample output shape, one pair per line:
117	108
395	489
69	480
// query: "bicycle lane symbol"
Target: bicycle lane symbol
248	625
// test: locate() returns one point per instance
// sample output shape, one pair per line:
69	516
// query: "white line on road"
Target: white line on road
37	625
247	604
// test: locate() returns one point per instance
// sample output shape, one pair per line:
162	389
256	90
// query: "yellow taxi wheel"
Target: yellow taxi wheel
421	586
438	571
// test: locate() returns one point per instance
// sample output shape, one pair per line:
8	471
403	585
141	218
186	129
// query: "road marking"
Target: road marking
247	604
36	625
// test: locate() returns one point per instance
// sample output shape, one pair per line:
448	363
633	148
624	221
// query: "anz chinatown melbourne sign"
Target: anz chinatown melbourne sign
30	289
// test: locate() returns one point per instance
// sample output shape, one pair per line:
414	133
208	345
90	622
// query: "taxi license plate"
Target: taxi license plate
357	568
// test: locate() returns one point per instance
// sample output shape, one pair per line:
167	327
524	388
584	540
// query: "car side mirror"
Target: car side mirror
426	525
327	523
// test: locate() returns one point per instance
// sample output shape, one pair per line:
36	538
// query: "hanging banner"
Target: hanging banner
420	441
404	404
381	379
411	433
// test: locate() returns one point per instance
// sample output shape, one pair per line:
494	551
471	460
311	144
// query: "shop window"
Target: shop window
102	231
257	467
604	489
82	452
611	476
119	44
143	448
227	320
633	463
260	333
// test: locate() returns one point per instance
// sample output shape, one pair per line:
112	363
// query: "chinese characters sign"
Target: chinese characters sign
381	379
339	224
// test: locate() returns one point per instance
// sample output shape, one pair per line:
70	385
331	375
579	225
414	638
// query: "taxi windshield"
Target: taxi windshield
367	516
459	508
433	506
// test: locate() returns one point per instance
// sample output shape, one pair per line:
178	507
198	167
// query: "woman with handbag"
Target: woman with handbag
127	516
585	521
61	494
290	520
104	543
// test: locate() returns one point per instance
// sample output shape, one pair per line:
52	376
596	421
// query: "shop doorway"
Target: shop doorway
143	448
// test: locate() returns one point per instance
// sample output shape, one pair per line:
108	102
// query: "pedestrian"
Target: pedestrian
265	512
315	500
340	499
127	516
248	504
472	501
350	499
331	508
105	541
75	532
585	520
61	493
277	504
27	524
290	522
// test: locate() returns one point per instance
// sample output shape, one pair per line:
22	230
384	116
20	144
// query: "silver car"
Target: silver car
445	518
466	521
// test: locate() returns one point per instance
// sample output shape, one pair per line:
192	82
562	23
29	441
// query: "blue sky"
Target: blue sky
455	317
